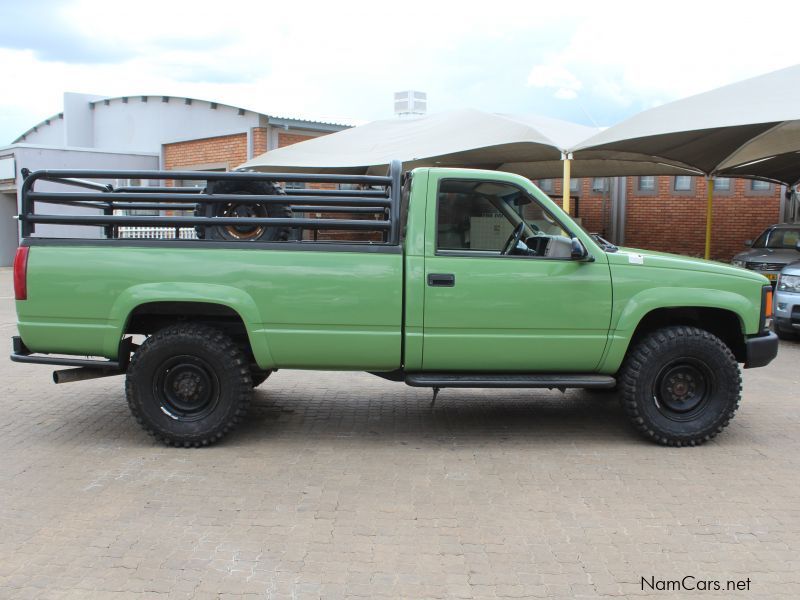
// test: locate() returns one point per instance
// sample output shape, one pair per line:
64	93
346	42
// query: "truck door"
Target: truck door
502	292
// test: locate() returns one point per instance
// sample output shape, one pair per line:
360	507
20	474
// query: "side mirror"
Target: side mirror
578	250
748	243
797	246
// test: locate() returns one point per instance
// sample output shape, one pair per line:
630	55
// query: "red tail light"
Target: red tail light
21	273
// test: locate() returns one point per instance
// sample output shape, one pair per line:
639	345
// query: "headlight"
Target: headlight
738	263
789	283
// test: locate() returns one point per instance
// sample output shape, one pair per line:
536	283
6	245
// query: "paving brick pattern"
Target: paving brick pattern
344	485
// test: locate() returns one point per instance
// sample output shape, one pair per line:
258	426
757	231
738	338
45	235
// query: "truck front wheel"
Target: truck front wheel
188	385
680	386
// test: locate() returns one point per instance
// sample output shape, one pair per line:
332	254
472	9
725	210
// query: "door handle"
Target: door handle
441	280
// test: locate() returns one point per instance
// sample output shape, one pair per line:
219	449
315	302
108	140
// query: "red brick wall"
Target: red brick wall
678	223
229	149
259	140
673	222
287	139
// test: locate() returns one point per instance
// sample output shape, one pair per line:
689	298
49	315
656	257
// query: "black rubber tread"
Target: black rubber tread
262	188
218	348
259	376
784	334
641	366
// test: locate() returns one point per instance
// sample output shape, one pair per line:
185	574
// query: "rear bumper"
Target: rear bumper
760	350
20	353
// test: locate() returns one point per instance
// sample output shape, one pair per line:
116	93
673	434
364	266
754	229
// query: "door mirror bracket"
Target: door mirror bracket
579	252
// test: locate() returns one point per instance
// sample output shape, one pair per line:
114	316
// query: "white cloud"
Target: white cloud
342	60
556	77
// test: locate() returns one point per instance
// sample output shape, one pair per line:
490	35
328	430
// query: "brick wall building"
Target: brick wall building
668	214
227	151
141	132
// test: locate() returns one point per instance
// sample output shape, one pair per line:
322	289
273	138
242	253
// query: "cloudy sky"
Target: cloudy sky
590	62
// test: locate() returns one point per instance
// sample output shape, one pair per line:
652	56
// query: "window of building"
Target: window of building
599	184
574	185
647	183
722	184
546	185
760	186
294	185
682	183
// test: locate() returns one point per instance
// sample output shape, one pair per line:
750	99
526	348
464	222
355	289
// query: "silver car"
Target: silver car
775	248
786	305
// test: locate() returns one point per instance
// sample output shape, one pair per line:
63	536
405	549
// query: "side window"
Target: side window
470	222
483	216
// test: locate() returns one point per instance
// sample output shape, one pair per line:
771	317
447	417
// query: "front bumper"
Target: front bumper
760	350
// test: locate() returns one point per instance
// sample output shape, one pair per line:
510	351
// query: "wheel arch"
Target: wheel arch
142	308
726	314
723	323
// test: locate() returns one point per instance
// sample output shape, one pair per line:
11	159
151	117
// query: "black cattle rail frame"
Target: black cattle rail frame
380	195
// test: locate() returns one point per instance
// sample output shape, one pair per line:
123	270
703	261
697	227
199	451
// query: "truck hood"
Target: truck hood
664	260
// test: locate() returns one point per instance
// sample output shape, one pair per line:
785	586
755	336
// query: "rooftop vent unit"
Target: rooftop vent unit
410	103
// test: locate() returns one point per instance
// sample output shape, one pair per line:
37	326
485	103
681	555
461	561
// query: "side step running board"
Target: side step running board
511	380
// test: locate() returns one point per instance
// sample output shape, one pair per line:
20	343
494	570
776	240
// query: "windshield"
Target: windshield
778	239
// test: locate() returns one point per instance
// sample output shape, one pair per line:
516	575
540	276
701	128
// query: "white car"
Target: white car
786	305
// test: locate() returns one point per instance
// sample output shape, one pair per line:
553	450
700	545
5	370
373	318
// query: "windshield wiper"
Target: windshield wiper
604	243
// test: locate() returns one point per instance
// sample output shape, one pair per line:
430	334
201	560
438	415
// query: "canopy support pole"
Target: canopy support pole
565	185
709	206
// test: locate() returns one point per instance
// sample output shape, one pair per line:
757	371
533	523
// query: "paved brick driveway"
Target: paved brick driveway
343	485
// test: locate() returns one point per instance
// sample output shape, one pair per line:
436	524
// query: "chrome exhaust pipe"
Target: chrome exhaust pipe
81	374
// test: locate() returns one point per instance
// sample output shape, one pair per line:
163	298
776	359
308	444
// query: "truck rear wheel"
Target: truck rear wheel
188	385
680	386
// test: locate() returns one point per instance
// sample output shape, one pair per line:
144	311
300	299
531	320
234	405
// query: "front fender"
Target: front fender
648	300
233	298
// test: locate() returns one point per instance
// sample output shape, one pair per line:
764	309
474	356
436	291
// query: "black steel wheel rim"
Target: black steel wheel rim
682	389
245	232
187	388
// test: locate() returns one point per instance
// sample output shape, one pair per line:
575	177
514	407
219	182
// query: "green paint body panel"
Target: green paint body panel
508	313
316	310
352	310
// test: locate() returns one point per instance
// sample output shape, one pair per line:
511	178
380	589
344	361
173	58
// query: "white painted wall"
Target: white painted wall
144	126
48	134
78	120
134	125
7	169
36	158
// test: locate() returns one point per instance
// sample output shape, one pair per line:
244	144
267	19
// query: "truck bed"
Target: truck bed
324	309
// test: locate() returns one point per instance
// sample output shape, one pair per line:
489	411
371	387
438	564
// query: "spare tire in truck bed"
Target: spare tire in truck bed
248	233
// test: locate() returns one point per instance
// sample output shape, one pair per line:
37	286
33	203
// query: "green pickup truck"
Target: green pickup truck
438	278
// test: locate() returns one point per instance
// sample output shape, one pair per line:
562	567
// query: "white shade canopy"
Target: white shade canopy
455	137
524	144
746	129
